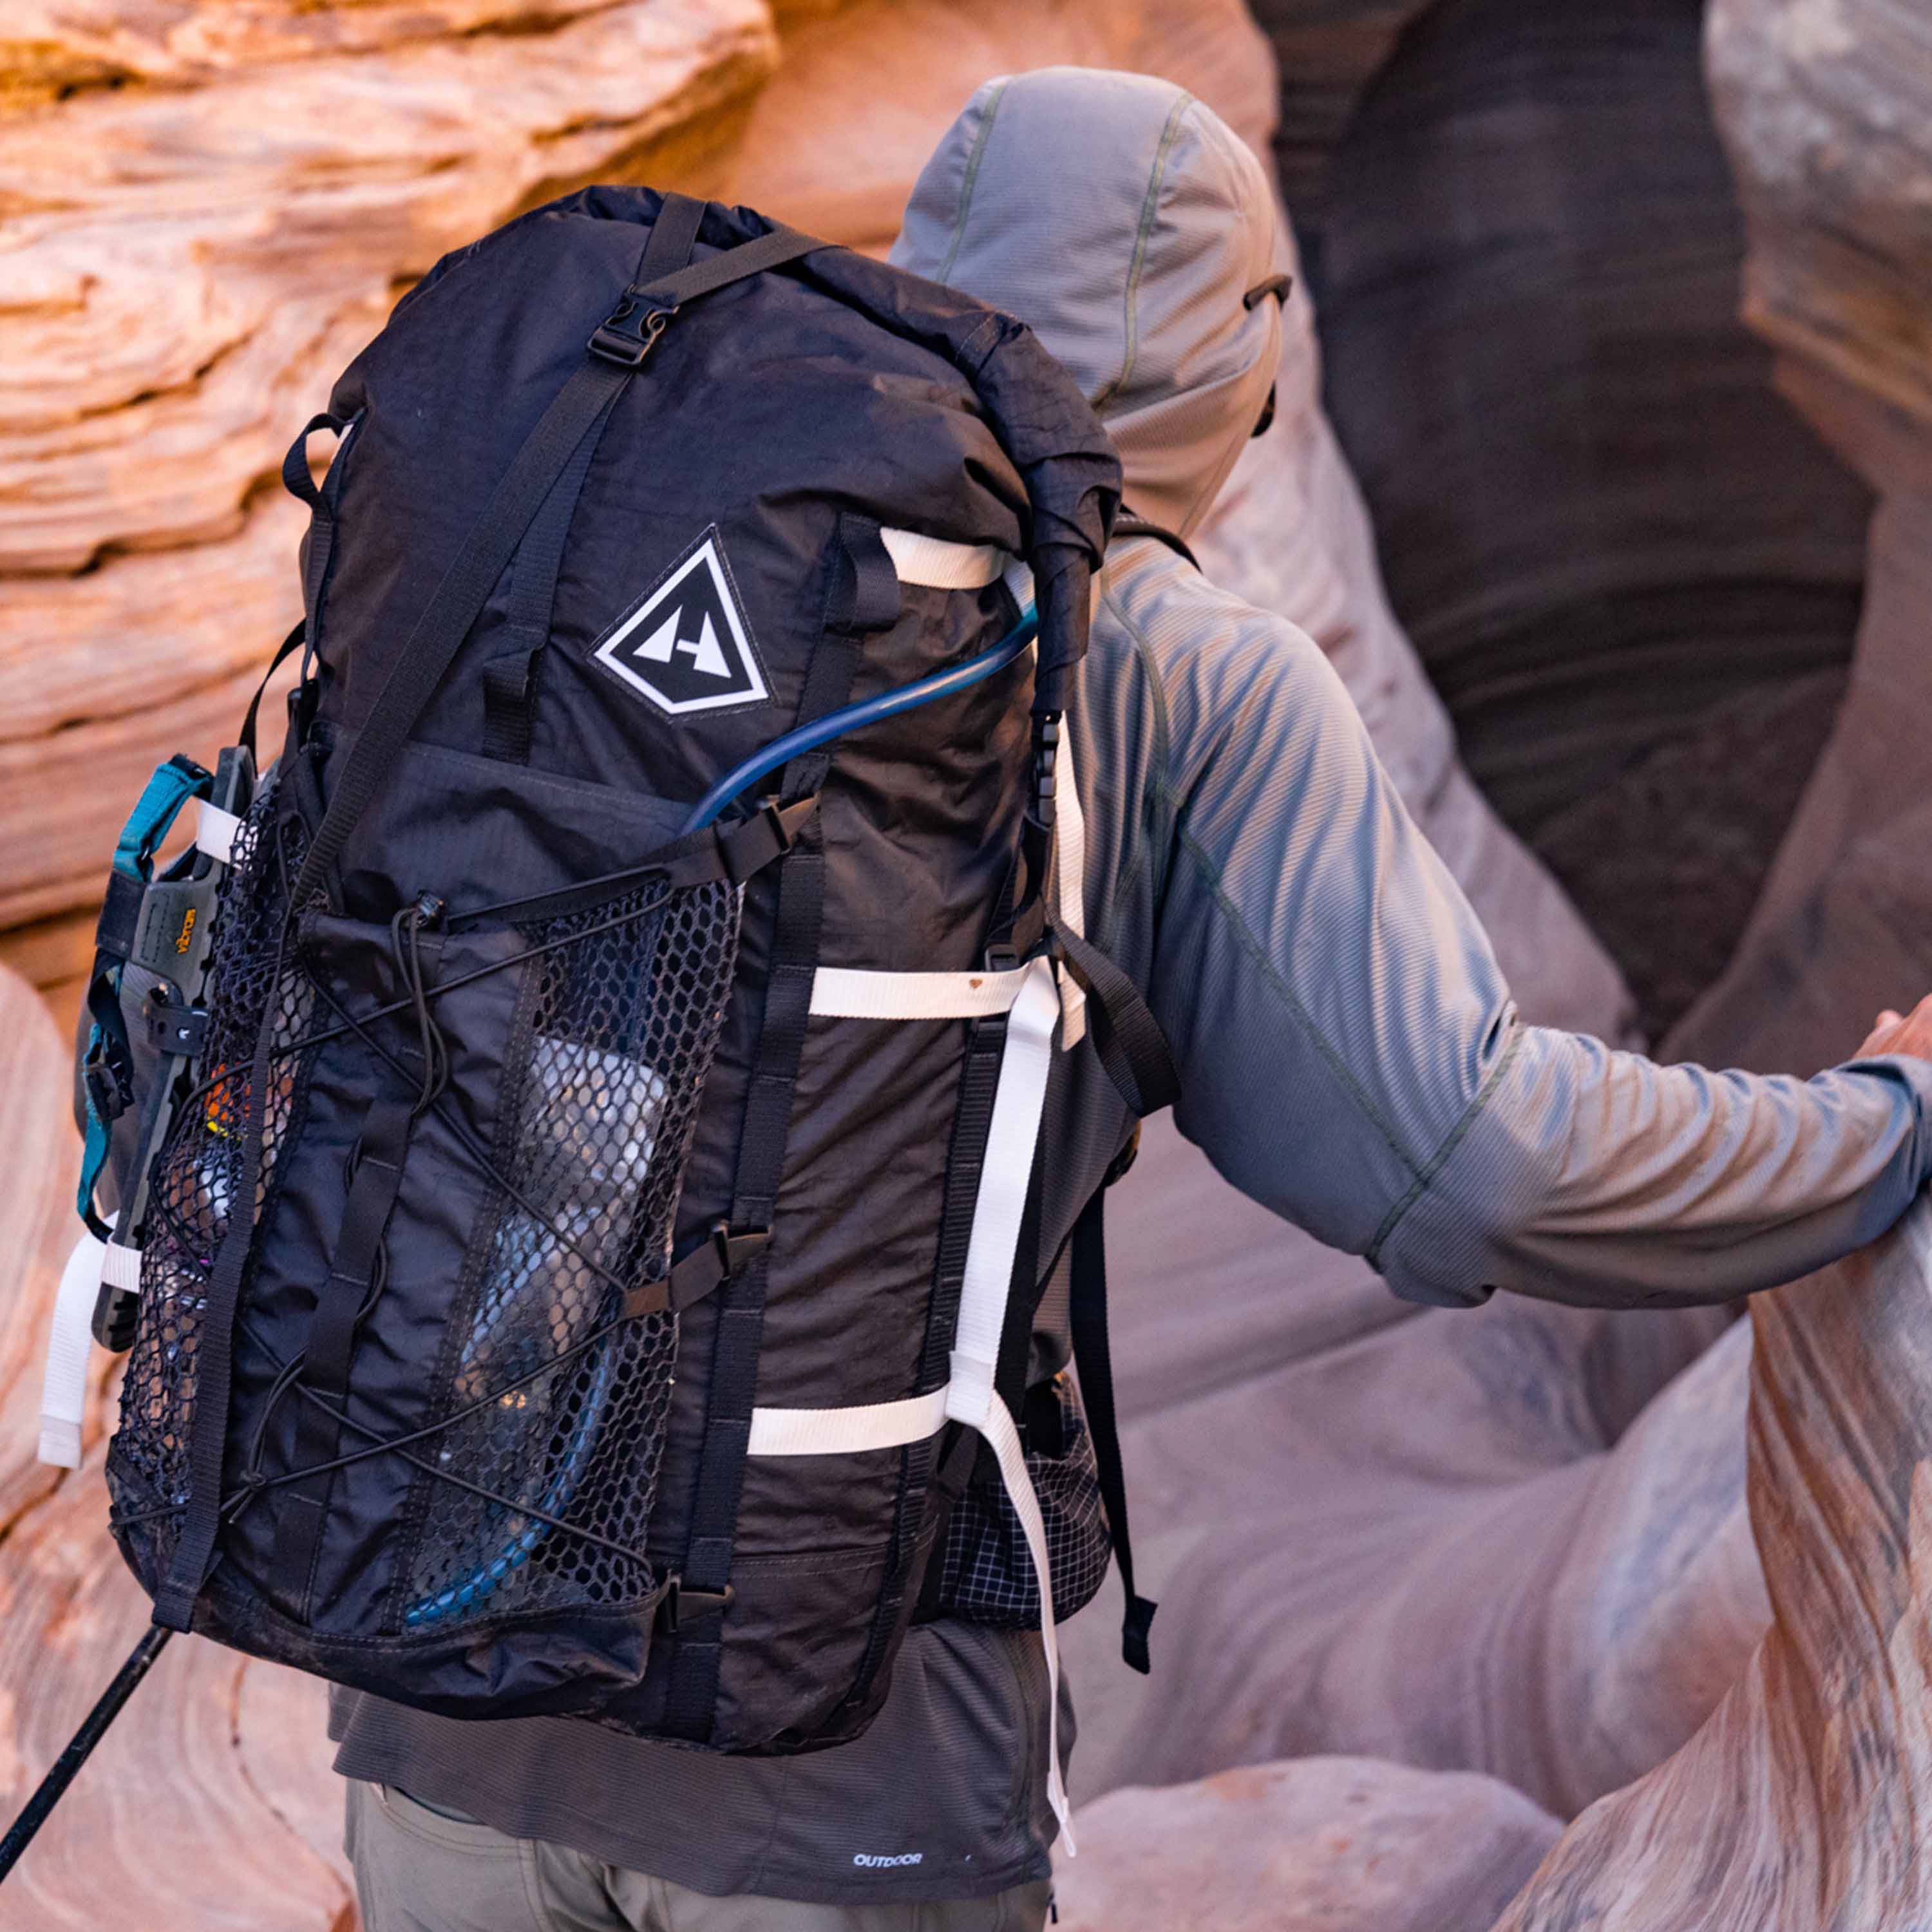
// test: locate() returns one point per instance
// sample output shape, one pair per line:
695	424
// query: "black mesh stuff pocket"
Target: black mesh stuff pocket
554	1401
198	1174
989	1575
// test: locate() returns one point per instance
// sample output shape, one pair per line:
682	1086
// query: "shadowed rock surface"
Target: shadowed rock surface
1510	1540
1827	112
1632	571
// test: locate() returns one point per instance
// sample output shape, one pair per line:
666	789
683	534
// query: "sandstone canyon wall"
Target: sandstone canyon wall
1477	1571
206	210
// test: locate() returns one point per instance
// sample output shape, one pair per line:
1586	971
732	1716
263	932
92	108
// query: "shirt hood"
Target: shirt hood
1128	226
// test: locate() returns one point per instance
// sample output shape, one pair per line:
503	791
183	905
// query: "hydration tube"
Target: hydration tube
872	711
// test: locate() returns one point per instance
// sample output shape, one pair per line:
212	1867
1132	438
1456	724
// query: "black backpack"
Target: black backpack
632	998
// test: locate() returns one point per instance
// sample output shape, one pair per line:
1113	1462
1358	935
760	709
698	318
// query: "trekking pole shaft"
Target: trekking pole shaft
33	1814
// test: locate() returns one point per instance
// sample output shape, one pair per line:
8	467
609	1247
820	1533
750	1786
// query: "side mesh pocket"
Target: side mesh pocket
555	1399
989	1575
254	979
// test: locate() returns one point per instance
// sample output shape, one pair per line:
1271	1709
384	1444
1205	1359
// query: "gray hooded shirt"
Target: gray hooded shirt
1349	1053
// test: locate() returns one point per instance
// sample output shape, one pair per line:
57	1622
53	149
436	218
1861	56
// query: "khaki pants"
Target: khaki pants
418	1870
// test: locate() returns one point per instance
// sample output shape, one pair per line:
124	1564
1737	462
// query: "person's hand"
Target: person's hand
1897	1033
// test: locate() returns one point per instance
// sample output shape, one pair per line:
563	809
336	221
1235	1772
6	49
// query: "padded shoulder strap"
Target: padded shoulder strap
1126	524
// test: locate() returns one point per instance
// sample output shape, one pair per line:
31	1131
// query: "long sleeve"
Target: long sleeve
1349	1052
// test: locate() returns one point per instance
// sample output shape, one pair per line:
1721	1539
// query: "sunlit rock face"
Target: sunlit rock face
1826	110
1630	568
206	210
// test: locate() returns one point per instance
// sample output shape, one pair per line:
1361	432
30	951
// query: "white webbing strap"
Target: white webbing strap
69	1339
941	566
1070	862
842	1431
970	1396
840	992
215	835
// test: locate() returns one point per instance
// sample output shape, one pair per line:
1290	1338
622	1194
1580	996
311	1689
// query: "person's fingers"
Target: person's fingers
1885	1030
1911	1034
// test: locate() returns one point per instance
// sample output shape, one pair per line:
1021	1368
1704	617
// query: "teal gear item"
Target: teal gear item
108	1057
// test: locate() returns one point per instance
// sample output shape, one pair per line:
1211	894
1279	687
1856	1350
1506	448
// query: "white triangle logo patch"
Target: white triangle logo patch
686	644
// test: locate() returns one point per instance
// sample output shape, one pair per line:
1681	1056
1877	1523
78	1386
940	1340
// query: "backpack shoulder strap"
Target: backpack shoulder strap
1127	524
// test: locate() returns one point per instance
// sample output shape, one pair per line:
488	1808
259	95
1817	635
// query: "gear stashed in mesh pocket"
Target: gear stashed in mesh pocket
557	1400
254	979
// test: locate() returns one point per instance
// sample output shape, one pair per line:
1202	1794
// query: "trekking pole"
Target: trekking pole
53	1787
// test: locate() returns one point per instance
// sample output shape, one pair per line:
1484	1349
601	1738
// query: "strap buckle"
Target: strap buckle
680	1600
768	834
108	1078
629	332
174	1026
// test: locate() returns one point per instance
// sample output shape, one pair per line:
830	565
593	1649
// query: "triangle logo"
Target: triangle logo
686	644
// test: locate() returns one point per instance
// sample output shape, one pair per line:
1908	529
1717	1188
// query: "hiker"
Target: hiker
1348	1052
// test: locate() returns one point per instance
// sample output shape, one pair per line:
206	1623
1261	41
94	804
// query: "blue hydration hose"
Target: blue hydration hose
872	711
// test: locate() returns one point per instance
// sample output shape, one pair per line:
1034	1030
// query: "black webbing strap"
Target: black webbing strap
1092	1359
510	683
319	545
283	652
855	600
673	235
509	704
772	251
624	336
353	1273
1127	1035
740	1329
510	680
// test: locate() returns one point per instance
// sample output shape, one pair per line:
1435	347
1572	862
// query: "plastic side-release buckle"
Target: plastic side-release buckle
707	1265
768	834
629	332
680	1601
